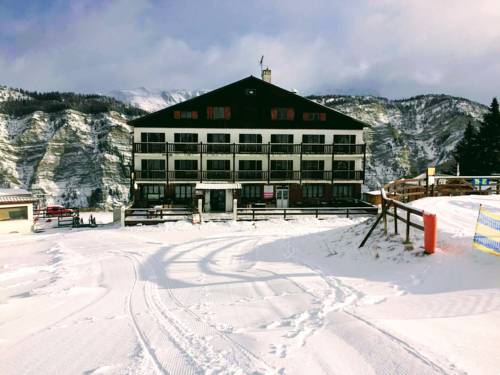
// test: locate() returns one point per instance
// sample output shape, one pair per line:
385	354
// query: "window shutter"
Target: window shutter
210	113
194	115
274	113
290	114
322	116
305	116
177	115
227	113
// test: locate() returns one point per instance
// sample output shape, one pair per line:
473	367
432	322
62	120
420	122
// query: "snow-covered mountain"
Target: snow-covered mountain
411	134
153	100
79	154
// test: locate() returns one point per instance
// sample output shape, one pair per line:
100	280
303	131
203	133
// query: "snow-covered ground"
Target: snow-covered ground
275	297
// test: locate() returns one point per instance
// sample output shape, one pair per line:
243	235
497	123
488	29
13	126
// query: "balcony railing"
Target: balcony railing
348	175
224	175
150	175
250	148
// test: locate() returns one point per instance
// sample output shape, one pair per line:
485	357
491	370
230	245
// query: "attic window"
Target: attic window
282	114
314	116
250	91
186	115
219	113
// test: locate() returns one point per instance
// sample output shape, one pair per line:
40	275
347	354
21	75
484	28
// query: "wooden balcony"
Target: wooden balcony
250	148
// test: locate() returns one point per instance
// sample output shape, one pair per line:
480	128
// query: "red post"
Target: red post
430	232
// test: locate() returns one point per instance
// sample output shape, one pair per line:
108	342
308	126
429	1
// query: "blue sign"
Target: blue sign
481	181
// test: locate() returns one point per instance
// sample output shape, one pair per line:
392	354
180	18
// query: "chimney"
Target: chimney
266	75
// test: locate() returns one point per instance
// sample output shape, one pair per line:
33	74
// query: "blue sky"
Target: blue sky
392	48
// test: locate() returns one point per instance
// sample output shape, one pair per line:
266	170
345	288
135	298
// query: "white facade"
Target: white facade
9	225
234	138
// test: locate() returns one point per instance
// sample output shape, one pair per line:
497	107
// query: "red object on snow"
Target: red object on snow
56	210
430	232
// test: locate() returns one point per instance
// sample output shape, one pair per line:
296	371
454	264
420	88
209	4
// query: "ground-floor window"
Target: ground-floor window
343	191
313	191
251	191
153	192
13	213
184	191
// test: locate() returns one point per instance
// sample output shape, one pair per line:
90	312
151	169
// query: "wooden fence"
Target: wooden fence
407	190
390	207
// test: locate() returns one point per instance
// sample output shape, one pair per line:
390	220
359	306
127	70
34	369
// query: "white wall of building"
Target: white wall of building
17	226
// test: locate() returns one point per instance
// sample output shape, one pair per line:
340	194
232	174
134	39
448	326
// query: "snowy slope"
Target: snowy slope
272	298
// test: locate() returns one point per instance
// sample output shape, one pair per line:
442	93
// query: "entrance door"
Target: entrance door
282	197
217	200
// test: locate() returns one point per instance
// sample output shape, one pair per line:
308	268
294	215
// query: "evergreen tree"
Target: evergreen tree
478	153
489	141
467	152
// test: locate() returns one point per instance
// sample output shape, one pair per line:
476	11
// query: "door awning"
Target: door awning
217	186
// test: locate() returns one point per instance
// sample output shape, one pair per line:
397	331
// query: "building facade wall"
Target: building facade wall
17	226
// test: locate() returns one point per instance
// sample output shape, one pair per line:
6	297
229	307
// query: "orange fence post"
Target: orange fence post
430	232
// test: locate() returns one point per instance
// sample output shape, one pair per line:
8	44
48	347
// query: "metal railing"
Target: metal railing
250	175
152	216
249	148
286	213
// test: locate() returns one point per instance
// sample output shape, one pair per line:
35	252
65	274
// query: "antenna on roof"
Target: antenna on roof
261	64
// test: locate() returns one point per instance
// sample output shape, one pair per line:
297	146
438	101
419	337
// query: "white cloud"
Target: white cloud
394	48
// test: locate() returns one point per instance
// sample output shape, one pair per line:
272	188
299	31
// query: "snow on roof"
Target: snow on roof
8	196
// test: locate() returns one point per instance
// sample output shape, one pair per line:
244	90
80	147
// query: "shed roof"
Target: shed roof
9	196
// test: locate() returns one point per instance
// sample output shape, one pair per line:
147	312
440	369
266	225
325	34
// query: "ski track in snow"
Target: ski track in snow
265	298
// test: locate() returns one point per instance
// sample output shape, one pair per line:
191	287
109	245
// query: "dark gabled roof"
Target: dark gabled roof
249	111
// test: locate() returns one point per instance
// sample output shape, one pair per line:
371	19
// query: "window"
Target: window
250	165
314	116
283	143
313	169
313	143
152	137
153	165
251	191
186	137
343	191
313	191
219	113
218	165
313	138
250	138
282	165
186	165
282	114
186	115
343	165
13	213
218	138
313	165
152	192
184	191
281	138
344	138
